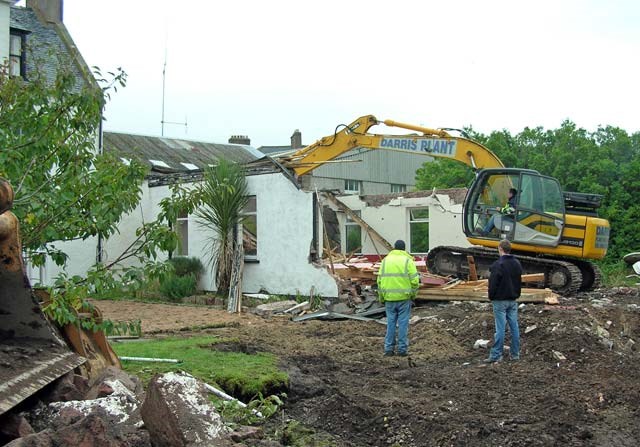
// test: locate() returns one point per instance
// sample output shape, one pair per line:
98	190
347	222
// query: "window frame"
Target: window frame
418	220
398	188
21	56
348	183
246	215
182	223
348	224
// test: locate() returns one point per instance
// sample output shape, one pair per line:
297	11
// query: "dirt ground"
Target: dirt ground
577	384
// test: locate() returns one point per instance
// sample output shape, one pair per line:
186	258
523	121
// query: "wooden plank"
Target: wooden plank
473	274
350	274
453	284
344	208
456	294
533	277
529	277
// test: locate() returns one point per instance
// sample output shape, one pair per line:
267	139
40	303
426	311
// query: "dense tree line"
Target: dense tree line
606	162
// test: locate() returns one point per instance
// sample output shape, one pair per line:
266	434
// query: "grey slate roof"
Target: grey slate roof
273	150
49	46
173	152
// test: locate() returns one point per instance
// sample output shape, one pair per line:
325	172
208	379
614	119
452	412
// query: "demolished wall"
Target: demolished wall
285	234
388	215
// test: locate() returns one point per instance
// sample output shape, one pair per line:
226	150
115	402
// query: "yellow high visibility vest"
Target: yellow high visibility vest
398	278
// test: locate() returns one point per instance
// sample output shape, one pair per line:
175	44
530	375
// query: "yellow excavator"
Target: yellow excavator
552	232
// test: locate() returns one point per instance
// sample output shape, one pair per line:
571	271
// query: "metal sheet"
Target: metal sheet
327	315
30	366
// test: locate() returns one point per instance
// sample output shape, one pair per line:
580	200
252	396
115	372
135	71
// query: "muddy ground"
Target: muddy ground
442	395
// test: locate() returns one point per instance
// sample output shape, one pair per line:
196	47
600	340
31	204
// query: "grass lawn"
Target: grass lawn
244	376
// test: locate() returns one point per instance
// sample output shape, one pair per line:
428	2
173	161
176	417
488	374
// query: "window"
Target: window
419	230
190	166
159	163
352	186
250	228
398	188
16	54
353	234
182	228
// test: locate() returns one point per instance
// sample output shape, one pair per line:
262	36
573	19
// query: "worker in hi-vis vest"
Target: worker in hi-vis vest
398	282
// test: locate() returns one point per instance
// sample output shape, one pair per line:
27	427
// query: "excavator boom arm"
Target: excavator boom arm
430	142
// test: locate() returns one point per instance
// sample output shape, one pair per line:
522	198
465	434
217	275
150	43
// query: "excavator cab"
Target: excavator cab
537	218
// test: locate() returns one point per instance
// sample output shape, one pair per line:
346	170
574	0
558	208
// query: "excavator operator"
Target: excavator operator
506	210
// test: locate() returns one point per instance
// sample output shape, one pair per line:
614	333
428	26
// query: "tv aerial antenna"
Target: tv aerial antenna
164	78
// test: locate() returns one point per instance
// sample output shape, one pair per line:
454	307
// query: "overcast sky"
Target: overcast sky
265	68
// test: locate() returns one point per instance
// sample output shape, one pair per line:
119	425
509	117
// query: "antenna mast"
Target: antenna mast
162	120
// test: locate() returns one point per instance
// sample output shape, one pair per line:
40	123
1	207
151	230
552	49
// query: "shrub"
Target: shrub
184	266
177	287
615	274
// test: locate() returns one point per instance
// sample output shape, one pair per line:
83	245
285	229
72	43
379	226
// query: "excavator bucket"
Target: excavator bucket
32	354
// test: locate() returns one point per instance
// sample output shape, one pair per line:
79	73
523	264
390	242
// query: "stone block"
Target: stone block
178	413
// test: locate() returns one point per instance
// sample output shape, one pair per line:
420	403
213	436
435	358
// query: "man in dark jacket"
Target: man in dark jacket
505	282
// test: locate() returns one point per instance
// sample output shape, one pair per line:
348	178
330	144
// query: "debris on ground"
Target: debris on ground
356	279
342	386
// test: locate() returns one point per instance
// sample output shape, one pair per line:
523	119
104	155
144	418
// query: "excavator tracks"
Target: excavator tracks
563	276
591	275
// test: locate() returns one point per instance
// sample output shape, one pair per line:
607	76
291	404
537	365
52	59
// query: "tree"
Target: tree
443	174
223	195
64	189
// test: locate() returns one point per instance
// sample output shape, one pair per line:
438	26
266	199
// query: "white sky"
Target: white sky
265	68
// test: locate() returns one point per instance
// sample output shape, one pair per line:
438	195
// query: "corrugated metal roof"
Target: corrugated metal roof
376	165
180	155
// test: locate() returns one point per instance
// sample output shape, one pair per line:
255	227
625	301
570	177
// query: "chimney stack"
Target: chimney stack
296	140
50	10
240	139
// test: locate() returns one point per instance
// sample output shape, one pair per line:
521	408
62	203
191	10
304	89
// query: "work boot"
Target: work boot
402	354
388	354
492	360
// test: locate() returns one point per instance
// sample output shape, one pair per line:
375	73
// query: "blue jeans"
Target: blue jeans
490	225
398	313
505	311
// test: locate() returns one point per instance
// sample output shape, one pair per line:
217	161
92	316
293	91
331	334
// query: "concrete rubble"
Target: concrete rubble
114	411
105	413
178	413
277	307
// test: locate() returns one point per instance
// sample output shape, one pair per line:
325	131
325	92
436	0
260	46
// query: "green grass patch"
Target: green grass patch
242	375
615	274
125	328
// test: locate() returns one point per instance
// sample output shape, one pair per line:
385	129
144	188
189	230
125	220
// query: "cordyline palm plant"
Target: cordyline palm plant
223	196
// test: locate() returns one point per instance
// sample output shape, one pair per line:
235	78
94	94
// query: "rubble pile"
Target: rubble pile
356	279
113	410
358	297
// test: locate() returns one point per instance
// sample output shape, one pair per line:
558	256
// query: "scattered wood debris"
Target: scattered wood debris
478	291
356	278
